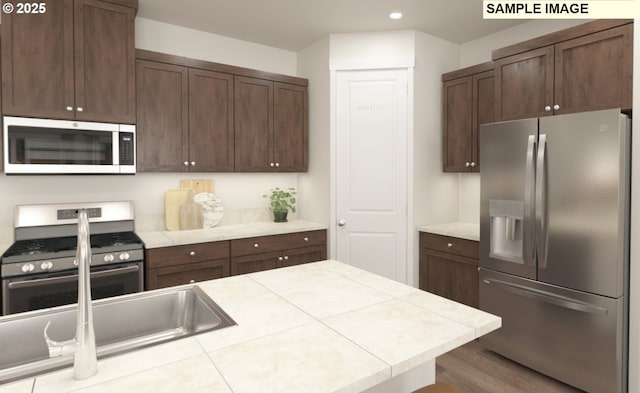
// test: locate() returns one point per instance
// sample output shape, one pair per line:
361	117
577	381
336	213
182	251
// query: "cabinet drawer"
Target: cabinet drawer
178	255
452	245
185	274
262	244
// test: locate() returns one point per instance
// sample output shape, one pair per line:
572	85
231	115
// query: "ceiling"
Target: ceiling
296	24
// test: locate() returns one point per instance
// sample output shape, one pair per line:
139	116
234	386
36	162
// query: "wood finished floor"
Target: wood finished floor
472	369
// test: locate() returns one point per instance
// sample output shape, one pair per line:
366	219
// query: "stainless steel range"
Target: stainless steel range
39	270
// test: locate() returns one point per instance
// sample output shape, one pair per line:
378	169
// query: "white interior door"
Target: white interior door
371	164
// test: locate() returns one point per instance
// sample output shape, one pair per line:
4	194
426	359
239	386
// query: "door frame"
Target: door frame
409	272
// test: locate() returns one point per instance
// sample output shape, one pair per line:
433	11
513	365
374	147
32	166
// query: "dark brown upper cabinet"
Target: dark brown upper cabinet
468	102
211	128
185	119
163	117
200	116
254	124
75	61
587	67
271	126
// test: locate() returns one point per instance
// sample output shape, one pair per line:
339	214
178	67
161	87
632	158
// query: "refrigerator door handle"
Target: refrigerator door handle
528	243
540	205
548	297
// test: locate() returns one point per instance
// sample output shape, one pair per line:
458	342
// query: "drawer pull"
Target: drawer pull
449	245
306	239
256	245
192	253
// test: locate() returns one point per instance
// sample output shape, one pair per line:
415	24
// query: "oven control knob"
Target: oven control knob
48	265
109	258
28	268
124	256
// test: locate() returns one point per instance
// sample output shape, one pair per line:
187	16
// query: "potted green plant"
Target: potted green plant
281	202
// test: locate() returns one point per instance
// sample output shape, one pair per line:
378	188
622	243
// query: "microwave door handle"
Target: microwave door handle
115	154
540	203
528	242
70	278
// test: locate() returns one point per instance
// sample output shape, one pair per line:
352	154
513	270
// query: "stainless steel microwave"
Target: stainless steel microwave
44	146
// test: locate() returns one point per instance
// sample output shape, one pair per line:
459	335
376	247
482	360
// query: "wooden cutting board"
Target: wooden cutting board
197	185
191	216
173	199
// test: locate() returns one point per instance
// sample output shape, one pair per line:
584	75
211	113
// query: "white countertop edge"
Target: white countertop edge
158	239
462	230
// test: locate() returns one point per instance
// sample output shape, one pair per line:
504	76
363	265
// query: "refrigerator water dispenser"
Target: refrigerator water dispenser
506	227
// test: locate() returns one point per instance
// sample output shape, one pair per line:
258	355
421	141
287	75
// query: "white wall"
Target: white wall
315	185
237	190
479	51
182	41
434	194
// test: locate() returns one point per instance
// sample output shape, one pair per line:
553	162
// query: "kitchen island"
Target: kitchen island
318	327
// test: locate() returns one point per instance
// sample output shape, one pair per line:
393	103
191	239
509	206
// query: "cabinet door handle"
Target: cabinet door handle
192	281
449	245
256	245
70	108
193	163
277	165
473	164
186	163
556	107
286	258
280	259
306	239
80	109
272	165
547	108
467	164
192	253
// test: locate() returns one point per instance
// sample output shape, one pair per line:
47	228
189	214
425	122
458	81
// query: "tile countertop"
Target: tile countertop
155	239
460	230
319	327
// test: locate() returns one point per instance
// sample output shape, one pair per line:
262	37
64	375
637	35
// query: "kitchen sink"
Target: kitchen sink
121	323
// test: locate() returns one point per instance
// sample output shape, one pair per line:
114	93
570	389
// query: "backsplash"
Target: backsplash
156	222
241	194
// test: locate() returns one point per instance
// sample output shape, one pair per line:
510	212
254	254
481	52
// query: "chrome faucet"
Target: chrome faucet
83	345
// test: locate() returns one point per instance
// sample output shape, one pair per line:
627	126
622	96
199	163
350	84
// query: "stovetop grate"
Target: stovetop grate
60	244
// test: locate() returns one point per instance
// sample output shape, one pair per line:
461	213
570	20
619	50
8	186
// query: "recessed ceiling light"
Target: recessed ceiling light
395	15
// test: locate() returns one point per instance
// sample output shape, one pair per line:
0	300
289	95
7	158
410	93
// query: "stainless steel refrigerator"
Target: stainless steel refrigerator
554	244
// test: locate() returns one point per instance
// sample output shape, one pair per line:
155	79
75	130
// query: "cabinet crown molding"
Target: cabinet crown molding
559	36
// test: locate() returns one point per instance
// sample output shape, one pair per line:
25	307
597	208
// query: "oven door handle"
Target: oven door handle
105	273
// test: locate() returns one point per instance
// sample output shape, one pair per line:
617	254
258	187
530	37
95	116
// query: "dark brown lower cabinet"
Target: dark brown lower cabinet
449	267
169	266
189	273
177	265
270	252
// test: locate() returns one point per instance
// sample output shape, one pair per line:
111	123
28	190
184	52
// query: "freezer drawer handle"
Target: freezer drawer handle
547	297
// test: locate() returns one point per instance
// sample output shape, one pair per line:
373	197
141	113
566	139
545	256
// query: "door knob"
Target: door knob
342	223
